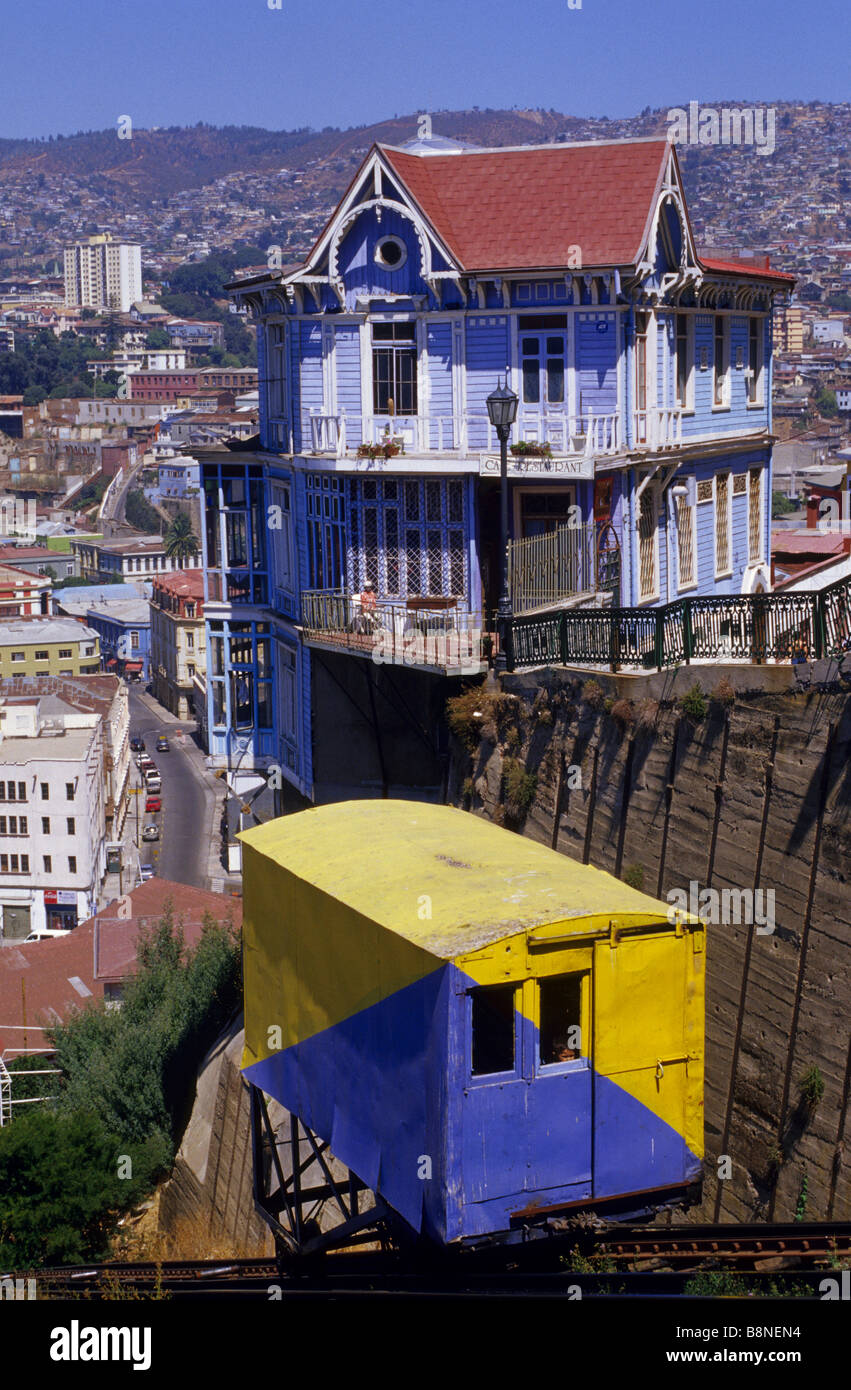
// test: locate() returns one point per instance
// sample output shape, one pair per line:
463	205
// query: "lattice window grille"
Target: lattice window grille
722	523
647	545
685	541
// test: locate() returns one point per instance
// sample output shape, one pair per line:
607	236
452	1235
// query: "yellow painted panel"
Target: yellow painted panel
446	880
310	961
649	1008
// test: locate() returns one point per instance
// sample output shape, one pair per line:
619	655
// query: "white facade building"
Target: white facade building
52	817
103	274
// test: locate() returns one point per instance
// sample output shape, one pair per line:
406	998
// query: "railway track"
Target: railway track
631	1262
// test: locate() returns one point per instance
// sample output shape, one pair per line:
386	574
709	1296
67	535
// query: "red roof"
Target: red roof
525	209
65	973
752	270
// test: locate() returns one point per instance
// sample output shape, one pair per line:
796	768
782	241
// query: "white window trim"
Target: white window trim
725	573
726	403
687	406
759	403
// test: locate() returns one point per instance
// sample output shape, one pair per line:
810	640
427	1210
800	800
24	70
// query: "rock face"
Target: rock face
754	795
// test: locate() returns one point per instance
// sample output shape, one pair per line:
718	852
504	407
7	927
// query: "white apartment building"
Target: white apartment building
103	274
52	818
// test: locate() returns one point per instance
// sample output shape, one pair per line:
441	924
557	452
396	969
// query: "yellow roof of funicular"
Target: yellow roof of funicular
445	880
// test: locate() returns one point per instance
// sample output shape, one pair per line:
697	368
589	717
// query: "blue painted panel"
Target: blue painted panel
439	344
356	259
487	357
310	338
362	1085
495	1139
558	1117
633	1148
596	357
262	378
347	353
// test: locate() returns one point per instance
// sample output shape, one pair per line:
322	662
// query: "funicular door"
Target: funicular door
648	1033
527	1098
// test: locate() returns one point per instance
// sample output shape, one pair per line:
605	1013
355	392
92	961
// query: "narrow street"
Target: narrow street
181	854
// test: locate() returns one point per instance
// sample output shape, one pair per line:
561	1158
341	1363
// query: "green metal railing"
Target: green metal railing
734	627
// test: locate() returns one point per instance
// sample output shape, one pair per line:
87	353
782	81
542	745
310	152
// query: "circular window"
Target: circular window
391	253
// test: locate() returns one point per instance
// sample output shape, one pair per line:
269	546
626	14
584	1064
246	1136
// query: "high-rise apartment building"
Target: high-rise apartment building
103	274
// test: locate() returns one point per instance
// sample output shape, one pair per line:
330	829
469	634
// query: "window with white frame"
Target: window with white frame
721	361
281	537
277	371
684	361
755	381
287	703
723	514
648	545
394	368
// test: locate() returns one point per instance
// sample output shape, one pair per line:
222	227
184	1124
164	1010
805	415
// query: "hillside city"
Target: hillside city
239	500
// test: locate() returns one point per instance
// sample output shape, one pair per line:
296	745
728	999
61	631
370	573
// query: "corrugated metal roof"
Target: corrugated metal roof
445	880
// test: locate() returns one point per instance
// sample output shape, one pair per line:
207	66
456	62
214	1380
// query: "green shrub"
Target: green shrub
467	789
634	876
812	1086
518	788
465	713
694	703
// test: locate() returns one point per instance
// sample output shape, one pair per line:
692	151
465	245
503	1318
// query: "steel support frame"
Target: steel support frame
294	1204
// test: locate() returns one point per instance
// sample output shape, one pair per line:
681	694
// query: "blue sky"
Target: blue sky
80	64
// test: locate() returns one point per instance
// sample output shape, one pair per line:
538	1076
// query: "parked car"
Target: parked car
162	744
153	803
151	832
143	761
146	871
153	781
43	933
137	744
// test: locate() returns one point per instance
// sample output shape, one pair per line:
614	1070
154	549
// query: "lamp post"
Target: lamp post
502	411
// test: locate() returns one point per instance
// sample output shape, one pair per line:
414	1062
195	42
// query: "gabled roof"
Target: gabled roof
525	208
752	270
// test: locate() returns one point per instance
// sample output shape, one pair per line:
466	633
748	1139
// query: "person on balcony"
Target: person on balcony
368	617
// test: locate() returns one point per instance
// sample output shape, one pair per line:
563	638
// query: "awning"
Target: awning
132	665
112	661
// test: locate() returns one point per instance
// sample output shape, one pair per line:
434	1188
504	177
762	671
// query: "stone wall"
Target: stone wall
753	795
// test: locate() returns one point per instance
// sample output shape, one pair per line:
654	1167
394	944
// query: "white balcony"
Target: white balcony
659	427
584	436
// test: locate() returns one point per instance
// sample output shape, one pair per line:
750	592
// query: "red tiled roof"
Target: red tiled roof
183	583
753	271
102	949
526	208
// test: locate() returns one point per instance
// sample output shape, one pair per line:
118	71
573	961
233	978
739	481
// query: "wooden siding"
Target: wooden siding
439	348
597	357
487	356
347	353
311	394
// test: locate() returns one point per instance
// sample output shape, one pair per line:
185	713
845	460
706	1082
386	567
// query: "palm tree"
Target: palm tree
180	540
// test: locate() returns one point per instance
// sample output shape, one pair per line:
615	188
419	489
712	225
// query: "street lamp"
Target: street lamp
502	412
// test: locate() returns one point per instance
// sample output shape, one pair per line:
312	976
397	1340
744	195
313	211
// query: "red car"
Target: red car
153	803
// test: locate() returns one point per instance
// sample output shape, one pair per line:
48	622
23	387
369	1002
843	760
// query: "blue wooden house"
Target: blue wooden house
358	544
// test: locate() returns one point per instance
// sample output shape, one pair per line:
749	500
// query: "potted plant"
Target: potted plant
530	448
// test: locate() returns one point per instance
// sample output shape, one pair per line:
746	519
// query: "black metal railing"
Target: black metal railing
730	627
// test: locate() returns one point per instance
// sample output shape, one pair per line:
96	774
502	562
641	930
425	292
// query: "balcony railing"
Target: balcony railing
659	427
787	627
587	435
441	638
550	569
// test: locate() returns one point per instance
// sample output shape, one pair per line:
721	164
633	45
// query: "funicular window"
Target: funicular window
560	1031
493	1029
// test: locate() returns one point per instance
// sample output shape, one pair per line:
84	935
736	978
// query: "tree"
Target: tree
157	338
180	540
781	505
64	1182
826	403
